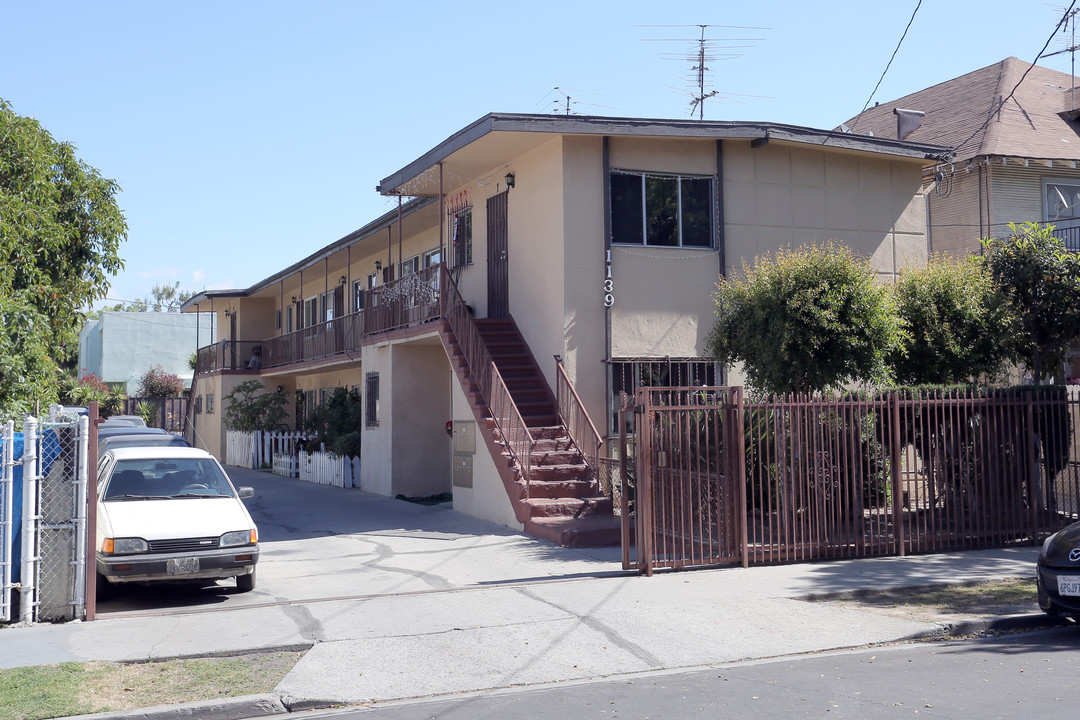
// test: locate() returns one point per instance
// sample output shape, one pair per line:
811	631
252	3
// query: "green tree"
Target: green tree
158	383
1041	281
162	298
60	229
805	320
250	407
955	326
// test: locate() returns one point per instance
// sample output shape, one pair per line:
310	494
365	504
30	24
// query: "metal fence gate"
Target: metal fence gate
43	519
714	478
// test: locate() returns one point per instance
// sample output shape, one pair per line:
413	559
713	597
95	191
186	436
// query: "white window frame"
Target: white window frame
1051	213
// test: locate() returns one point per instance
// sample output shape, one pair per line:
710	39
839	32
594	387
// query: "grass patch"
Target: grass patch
50	691
995	597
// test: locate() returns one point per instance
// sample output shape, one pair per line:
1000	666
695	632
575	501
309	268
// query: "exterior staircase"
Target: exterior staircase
563	501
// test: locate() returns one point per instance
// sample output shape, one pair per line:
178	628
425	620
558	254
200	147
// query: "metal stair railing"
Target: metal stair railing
518	440
572	414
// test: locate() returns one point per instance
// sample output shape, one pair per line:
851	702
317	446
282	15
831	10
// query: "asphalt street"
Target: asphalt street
1033	675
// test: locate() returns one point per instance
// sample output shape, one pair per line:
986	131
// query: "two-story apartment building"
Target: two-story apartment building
536	266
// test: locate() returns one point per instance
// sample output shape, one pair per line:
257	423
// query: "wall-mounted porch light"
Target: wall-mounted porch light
509	180
342	279
378	265
293	299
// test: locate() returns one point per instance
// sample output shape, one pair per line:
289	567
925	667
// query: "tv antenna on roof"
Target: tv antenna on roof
701	52
564	102
1069	25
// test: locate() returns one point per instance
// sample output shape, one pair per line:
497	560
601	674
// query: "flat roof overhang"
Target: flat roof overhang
496	139
372	232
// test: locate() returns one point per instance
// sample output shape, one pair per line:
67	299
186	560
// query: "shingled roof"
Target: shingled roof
1038	122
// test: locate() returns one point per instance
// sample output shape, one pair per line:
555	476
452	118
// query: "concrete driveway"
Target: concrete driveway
322	543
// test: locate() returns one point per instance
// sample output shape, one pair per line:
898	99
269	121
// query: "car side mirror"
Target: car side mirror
245	491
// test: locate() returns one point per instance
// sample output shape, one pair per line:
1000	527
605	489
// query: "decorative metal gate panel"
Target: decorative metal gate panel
690	492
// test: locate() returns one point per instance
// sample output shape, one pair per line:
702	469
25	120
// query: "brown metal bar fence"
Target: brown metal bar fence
792	479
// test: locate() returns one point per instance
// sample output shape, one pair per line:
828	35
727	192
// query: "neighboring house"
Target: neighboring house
597	241
1014	161
1016	153
119	347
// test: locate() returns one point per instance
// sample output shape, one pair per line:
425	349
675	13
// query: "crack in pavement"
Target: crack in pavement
310	628
385	552
607	631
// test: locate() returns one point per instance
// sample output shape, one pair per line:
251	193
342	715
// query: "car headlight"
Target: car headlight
240	537
124	546
1046	544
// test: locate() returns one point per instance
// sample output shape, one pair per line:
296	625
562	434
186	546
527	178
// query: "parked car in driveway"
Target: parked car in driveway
121	420
141	440
171	514
1058	573
118	430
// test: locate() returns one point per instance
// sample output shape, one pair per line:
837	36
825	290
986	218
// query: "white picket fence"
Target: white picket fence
278	451
256	450
326	468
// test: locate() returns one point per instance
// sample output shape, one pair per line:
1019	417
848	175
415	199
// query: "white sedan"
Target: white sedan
171	514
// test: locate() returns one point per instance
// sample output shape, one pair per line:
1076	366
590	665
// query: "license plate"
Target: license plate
1069	585
186	566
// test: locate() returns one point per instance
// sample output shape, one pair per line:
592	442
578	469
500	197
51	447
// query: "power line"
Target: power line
995	110
887	65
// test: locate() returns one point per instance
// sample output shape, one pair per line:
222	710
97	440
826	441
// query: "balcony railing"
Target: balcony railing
411	300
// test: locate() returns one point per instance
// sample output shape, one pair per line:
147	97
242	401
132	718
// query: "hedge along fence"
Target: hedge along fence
913	470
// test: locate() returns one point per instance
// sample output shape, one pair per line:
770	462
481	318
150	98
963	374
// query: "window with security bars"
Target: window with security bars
371	394
461	237
628	375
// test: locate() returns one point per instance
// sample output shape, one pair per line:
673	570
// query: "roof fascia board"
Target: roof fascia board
643	127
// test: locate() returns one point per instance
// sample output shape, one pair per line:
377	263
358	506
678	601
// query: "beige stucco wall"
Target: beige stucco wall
487	498
420	396
375	461
537	252
582	325
780	195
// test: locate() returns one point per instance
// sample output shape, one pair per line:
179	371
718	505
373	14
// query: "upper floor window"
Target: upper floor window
358	295
661	210
461	237
311	311
410	266
432	258
1062	199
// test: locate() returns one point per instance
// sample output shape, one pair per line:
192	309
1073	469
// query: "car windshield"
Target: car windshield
164	479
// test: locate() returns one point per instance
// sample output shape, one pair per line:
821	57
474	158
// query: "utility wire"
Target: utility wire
995	110
887	65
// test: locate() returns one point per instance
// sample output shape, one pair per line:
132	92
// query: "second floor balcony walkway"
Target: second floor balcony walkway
409	301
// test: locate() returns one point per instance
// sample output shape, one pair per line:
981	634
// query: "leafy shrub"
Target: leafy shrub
337	423
148	411
157	383
250	407
955	326
87	388
805	320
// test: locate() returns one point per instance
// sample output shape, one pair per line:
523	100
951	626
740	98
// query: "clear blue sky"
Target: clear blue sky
246	135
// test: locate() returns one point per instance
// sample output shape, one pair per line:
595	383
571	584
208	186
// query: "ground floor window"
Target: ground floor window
371	394
626	375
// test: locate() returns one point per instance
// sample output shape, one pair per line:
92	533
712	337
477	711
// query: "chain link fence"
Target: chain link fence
43	519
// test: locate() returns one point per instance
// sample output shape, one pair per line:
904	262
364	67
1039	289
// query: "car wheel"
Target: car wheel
246	583
105	589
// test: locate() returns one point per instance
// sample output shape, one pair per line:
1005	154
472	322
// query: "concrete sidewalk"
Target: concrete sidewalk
538	627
